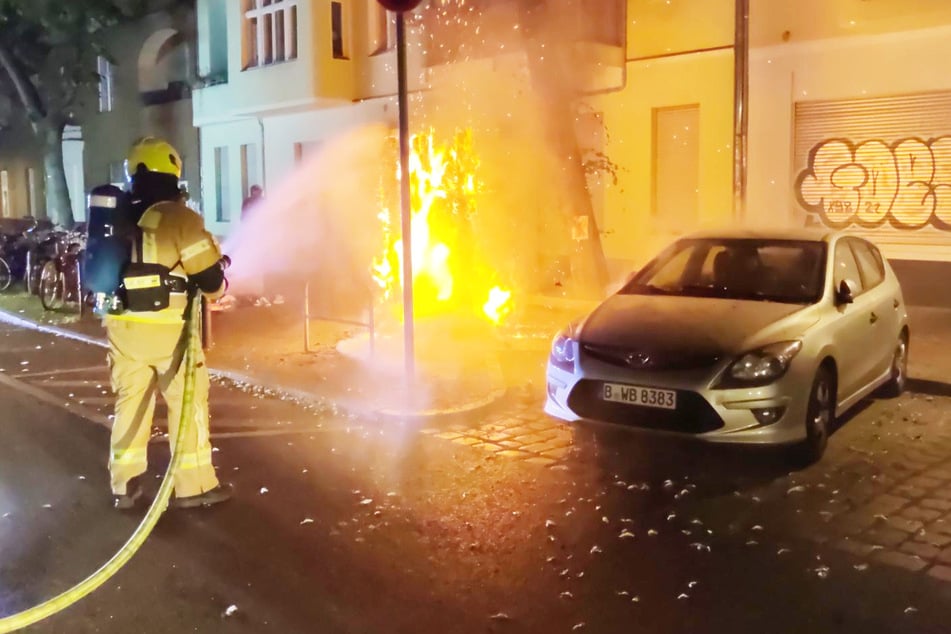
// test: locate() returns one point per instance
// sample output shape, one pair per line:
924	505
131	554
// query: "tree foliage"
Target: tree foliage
48	63
48	50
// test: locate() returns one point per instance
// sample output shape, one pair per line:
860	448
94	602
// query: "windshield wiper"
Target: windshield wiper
647	289
705	289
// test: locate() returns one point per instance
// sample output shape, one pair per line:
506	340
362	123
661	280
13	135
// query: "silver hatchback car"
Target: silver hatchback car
744	337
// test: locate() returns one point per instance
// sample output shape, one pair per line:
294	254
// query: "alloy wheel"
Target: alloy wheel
900	365
820	414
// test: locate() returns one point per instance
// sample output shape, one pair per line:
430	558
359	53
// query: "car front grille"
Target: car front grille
639	359
692	416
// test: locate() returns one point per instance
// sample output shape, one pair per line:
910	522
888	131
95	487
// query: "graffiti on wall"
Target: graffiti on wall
905	184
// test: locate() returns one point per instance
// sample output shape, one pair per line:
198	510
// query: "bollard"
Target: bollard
207	340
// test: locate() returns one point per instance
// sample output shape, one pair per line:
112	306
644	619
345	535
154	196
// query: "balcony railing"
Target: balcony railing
175	91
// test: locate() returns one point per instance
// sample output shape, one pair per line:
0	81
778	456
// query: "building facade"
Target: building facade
848	112
146	90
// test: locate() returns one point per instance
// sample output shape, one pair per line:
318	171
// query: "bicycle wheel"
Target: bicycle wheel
73	295
51	286
35	275
6	277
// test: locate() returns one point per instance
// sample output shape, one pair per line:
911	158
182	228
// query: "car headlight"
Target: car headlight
761	366
564	350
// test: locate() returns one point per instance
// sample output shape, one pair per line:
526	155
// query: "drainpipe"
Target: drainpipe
741	89
263	162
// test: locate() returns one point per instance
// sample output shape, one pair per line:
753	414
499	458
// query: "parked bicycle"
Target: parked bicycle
17	239
6	261
60	284
43	244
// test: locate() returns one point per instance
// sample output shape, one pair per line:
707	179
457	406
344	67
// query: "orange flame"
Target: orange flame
497	305
440	186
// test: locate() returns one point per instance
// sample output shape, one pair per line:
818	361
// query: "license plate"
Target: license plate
637	395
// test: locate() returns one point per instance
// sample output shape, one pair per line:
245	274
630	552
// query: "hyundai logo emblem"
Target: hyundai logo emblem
638	359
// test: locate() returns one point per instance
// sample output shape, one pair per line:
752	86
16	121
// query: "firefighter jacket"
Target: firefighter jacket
174	236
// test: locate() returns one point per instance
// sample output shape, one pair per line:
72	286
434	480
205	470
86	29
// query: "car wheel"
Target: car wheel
899	373
820	416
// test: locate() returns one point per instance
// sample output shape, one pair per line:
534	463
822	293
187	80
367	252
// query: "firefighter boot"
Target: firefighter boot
130	499
220	493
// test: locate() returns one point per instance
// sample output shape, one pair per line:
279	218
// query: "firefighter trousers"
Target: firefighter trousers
146	358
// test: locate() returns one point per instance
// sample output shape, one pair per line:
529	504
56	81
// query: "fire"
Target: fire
443	189
498	304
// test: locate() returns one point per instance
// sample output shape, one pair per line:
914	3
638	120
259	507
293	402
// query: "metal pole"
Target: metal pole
372	329
409	352
307	317
741	89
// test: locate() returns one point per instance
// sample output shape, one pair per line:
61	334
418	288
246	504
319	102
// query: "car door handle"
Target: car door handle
872	318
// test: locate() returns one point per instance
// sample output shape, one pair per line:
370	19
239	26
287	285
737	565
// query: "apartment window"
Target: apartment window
104	69
217	69
222	186
382	33
677	167
270	32
337	24
117	173
250	170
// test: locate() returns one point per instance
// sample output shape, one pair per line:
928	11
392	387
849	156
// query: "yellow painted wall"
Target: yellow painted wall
632	233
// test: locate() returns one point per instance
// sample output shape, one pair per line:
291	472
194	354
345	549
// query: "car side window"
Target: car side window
872	269
846	267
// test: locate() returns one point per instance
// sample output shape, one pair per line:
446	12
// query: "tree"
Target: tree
48	55
549	32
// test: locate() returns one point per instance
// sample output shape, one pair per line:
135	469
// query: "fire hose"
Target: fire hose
159	504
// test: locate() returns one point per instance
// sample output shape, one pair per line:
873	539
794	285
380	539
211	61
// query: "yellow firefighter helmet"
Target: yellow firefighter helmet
155	155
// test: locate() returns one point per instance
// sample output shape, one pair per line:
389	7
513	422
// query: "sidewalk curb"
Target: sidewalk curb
453	414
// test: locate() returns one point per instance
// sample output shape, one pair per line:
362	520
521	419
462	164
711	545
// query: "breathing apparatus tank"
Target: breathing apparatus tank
108	246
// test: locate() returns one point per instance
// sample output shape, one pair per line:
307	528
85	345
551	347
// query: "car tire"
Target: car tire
898	378
820	417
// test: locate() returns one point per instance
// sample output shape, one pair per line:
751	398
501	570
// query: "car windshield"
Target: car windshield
788	271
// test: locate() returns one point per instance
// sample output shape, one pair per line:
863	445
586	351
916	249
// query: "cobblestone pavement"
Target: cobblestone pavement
882	493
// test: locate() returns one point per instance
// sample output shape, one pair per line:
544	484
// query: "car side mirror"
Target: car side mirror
845	294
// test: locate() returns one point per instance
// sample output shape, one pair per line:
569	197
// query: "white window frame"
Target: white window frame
265	44
31	190
106	97
5	192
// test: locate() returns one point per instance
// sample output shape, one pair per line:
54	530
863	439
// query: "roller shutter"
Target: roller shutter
880	167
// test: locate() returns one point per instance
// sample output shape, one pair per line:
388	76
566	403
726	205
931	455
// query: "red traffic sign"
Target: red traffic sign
399	5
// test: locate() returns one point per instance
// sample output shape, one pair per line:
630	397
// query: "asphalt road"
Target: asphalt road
341	525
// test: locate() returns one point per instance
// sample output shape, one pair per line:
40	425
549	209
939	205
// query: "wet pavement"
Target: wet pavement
509	522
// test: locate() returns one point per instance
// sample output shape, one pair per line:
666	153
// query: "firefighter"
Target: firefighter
147	347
